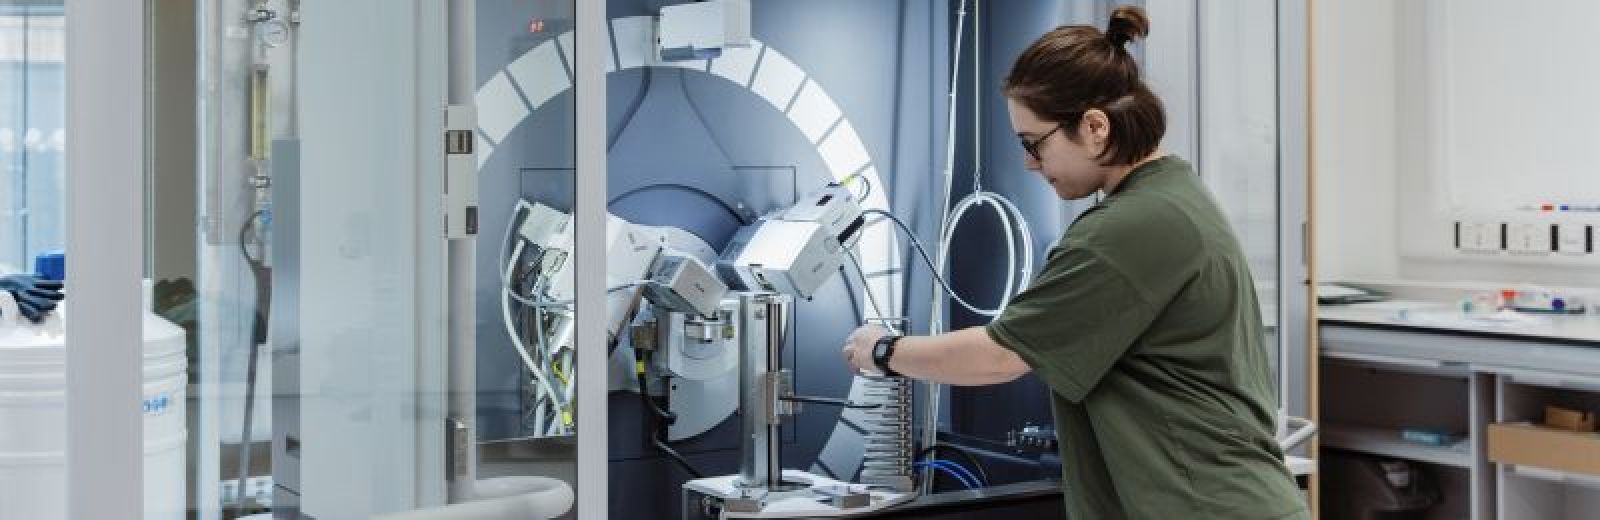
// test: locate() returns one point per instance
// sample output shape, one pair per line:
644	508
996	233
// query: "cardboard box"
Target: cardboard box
1537	446
1568	419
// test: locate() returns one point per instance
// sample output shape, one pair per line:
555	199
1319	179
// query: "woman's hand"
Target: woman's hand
858	348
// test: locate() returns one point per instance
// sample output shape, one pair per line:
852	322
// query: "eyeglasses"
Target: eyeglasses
1033	146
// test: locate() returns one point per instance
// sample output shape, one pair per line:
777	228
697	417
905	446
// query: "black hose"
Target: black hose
828	401
664	419
263	280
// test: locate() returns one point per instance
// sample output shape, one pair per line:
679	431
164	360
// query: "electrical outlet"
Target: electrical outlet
1528	238
1574	239
230	489
257	490
260	488
1477	236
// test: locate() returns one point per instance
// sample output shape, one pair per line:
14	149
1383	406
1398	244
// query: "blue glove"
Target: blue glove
36	297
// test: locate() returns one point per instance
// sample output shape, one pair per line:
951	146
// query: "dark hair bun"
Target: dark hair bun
1128	23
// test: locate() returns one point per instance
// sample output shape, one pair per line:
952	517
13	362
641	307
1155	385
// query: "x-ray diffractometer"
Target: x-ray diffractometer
748	232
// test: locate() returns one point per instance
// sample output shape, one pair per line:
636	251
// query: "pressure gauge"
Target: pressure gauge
273	32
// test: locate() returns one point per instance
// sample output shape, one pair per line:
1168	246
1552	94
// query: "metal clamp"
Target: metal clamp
260	14
708	330
644	336
780	388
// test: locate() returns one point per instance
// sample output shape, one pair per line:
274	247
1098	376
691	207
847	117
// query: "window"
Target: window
32	137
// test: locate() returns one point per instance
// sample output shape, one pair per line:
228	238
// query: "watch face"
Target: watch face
879	350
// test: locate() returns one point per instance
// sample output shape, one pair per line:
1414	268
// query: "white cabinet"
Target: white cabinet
1379	381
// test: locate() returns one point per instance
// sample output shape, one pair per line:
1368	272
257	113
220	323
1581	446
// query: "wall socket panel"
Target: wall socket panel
257	490
1524	238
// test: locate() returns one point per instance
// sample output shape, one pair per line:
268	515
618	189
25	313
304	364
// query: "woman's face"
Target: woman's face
1069	165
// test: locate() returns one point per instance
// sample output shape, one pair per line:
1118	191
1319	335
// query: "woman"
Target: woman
1143	322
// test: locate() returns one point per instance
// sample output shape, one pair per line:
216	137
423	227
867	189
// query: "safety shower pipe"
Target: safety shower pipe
460	261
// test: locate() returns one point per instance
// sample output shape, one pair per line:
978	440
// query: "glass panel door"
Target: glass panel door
321	254
1239	138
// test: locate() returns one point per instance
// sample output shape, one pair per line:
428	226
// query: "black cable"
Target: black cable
843	403
682	462
958	450
263	278
262	275
700	192
664	419
916	243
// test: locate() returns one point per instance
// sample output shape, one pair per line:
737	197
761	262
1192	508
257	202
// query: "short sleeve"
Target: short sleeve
1075	321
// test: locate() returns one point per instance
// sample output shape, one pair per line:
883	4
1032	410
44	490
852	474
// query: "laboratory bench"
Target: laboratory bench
1421	381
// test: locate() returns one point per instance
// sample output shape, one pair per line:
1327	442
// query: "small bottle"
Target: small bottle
1483	303
1508	299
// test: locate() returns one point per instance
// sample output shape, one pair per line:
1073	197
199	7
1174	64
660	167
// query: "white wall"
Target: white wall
1418	124
1354	138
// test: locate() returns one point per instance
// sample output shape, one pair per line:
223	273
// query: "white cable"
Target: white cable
1015	230
936	325
550	398
511	329
936	310
1002	207
981	198
565	304
507	267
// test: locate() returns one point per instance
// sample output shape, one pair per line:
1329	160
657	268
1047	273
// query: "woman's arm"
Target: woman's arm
967	357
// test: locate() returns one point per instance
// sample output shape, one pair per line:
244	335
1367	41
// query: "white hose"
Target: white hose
936	320
936	325
503	498
507	266
1016	230
511	328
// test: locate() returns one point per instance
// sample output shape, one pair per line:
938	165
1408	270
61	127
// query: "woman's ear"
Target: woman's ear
1095	127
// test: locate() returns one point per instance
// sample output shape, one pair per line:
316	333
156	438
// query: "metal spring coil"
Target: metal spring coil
888	445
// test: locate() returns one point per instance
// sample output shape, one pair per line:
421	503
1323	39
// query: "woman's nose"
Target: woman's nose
1029	163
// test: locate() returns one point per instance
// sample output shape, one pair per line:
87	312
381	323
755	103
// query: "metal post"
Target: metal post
104	194
777	309
753	406
589	212
461	435
762	329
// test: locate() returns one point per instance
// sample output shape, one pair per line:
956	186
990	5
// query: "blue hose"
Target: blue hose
953	470
971	477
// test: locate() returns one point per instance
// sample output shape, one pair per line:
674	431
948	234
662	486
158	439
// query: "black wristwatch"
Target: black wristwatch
882	351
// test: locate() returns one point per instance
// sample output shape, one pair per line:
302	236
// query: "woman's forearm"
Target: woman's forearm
964	357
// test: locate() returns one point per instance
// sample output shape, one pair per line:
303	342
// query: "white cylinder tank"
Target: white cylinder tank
33	419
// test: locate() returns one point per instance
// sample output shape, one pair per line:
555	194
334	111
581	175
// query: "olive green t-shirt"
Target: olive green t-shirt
1144	324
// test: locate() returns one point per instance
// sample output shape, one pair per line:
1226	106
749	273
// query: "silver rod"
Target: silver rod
461	274
752	408
777	314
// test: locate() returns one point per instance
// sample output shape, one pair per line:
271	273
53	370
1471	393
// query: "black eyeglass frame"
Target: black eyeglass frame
1032	147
